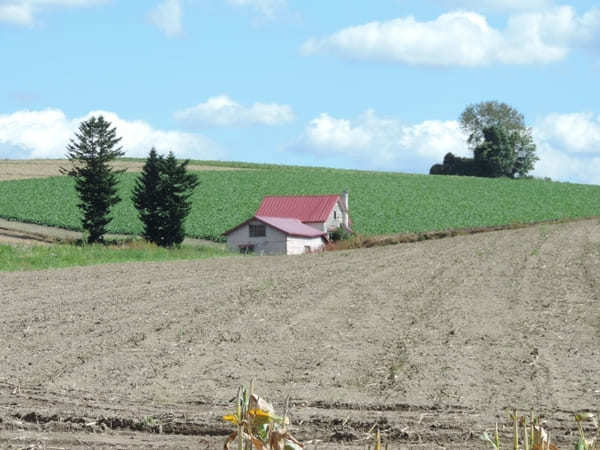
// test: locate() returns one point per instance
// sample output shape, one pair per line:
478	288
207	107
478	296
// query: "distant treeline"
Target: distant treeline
456	165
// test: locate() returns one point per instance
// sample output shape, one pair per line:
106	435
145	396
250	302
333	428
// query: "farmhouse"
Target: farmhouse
291	225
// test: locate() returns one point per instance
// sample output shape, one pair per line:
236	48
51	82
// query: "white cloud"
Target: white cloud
45	134
383	143
268	8
168	17
223	111
326	132
23	12
561	165
18	14
568	146
39	134
465	39
575	132
497	5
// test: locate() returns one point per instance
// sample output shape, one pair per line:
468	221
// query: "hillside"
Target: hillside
432	340
380	202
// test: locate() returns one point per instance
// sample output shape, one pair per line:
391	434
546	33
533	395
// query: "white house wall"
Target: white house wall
334	223
299	245
331	223
273	243
317	226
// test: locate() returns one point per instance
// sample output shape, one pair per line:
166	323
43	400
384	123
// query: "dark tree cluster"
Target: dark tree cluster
502	145
455	165
161	194
162	198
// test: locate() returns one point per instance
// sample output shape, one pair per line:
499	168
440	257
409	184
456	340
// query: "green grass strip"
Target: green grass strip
38	257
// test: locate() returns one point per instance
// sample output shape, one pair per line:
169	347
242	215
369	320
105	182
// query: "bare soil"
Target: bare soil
19	169
12	232
432	340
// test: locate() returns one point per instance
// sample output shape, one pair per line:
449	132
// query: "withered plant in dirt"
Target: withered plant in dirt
378	444
535	437
257	426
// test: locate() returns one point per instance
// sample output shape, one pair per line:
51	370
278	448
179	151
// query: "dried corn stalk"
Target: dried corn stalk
257	425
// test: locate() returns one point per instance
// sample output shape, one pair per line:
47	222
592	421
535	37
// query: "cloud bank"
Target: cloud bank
462	38
382	143
46	133
223	111
568	144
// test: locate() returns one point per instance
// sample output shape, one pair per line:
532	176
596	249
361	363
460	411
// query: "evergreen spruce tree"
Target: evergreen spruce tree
161	196
94	147
178	187
147	198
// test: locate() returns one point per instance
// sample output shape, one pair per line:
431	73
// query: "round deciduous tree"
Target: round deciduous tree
495	156
478	118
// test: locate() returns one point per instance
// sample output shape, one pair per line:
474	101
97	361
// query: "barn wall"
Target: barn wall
273	243
296	245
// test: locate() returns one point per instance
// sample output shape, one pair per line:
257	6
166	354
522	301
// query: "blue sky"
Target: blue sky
375	84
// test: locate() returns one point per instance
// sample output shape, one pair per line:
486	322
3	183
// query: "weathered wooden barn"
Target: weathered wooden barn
291	225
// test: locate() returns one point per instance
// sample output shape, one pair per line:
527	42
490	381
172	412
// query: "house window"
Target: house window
258	231
307	249
335	214
246	249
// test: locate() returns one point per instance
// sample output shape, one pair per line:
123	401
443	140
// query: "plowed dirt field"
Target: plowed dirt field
20	169
432	340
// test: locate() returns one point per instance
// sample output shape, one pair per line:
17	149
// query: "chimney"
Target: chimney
345	203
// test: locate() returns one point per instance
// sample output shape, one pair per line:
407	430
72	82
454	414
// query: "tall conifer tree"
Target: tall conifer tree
178	187
147	198
162	198
94	147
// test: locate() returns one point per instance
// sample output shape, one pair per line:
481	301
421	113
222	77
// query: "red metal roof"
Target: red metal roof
292	227
305	208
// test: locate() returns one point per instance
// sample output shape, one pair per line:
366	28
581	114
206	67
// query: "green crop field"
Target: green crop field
380	202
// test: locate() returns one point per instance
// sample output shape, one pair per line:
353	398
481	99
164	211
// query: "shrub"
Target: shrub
341	234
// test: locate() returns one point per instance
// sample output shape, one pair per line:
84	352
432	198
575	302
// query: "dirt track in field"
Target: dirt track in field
432	340
19	169
20	233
